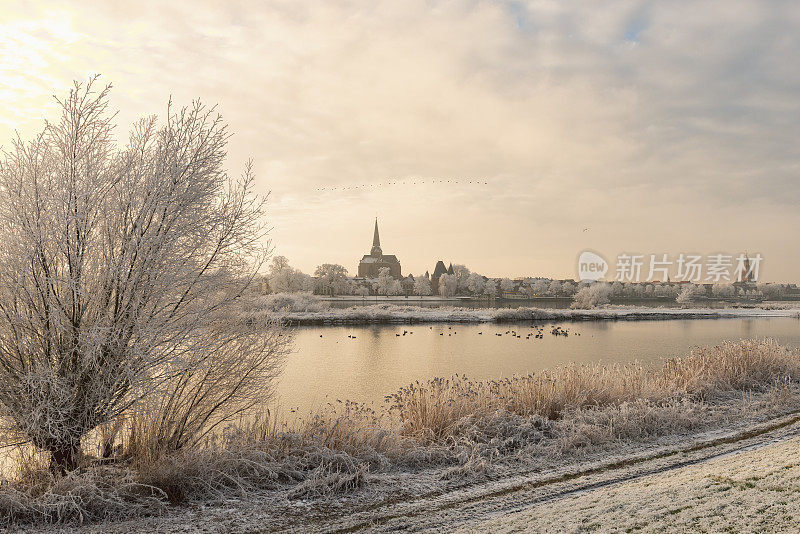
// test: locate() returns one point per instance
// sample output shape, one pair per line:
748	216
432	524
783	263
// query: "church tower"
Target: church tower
376	243
371	264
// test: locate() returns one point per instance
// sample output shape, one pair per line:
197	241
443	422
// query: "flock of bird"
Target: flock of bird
415	182
536	333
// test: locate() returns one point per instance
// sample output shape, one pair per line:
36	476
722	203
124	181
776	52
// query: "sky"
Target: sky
616	127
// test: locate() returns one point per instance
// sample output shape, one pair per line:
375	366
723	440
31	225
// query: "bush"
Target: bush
284	302
592	296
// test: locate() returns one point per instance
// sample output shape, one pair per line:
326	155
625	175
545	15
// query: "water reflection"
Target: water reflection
376	360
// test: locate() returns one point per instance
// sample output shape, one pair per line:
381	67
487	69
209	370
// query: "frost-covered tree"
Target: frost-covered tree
541	287
568	288
290	281
361	291
278	263
723	290
282	278
385	280
422	286
617	289
591	296
490	289
506	285
396	288
462	276
699	290
120	270
772	291
475	284
387	285
554	288
331	279
685	296
690	292
448	284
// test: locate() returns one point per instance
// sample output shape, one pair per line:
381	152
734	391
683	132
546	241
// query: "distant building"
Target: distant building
371	264
438	271
746	276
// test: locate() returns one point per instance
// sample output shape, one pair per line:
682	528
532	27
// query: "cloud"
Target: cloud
681	115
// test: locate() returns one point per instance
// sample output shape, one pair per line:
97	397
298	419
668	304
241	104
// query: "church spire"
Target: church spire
376	242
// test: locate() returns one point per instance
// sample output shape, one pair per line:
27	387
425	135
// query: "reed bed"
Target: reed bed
434	411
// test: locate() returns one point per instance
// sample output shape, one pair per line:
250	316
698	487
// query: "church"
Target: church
371	264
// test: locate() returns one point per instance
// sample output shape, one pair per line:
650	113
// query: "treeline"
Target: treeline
333	279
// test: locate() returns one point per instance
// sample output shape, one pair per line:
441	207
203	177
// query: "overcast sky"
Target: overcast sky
661	127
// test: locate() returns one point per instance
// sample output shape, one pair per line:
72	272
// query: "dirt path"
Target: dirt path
755	490
666	490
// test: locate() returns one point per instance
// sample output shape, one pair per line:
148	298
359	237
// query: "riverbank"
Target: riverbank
391	313
743	473
445	437
751	490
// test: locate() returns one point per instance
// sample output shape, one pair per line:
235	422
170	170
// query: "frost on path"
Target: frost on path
751	491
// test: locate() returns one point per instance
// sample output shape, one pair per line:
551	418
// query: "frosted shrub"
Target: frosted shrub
121	268
290	302
592	296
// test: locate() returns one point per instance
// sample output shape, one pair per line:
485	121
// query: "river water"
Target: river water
327	364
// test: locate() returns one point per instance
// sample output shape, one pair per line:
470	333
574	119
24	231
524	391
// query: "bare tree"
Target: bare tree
387	285
361	290
422	286
541	287
686	296
506	285
331	278
617	289
462	276
490	289
772	291
120	272
448	285
283	278
568	288
475	283
723	290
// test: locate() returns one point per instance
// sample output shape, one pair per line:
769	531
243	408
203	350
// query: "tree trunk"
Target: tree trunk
108	448
63	459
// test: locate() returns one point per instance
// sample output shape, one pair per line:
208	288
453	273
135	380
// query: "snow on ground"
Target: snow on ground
751	491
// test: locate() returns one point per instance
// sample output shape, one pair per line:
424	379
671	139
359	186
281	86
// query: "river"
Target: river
327	365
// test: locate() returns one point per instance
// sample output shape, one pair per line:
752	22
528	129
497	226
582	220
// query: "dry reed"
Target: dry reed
433	411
